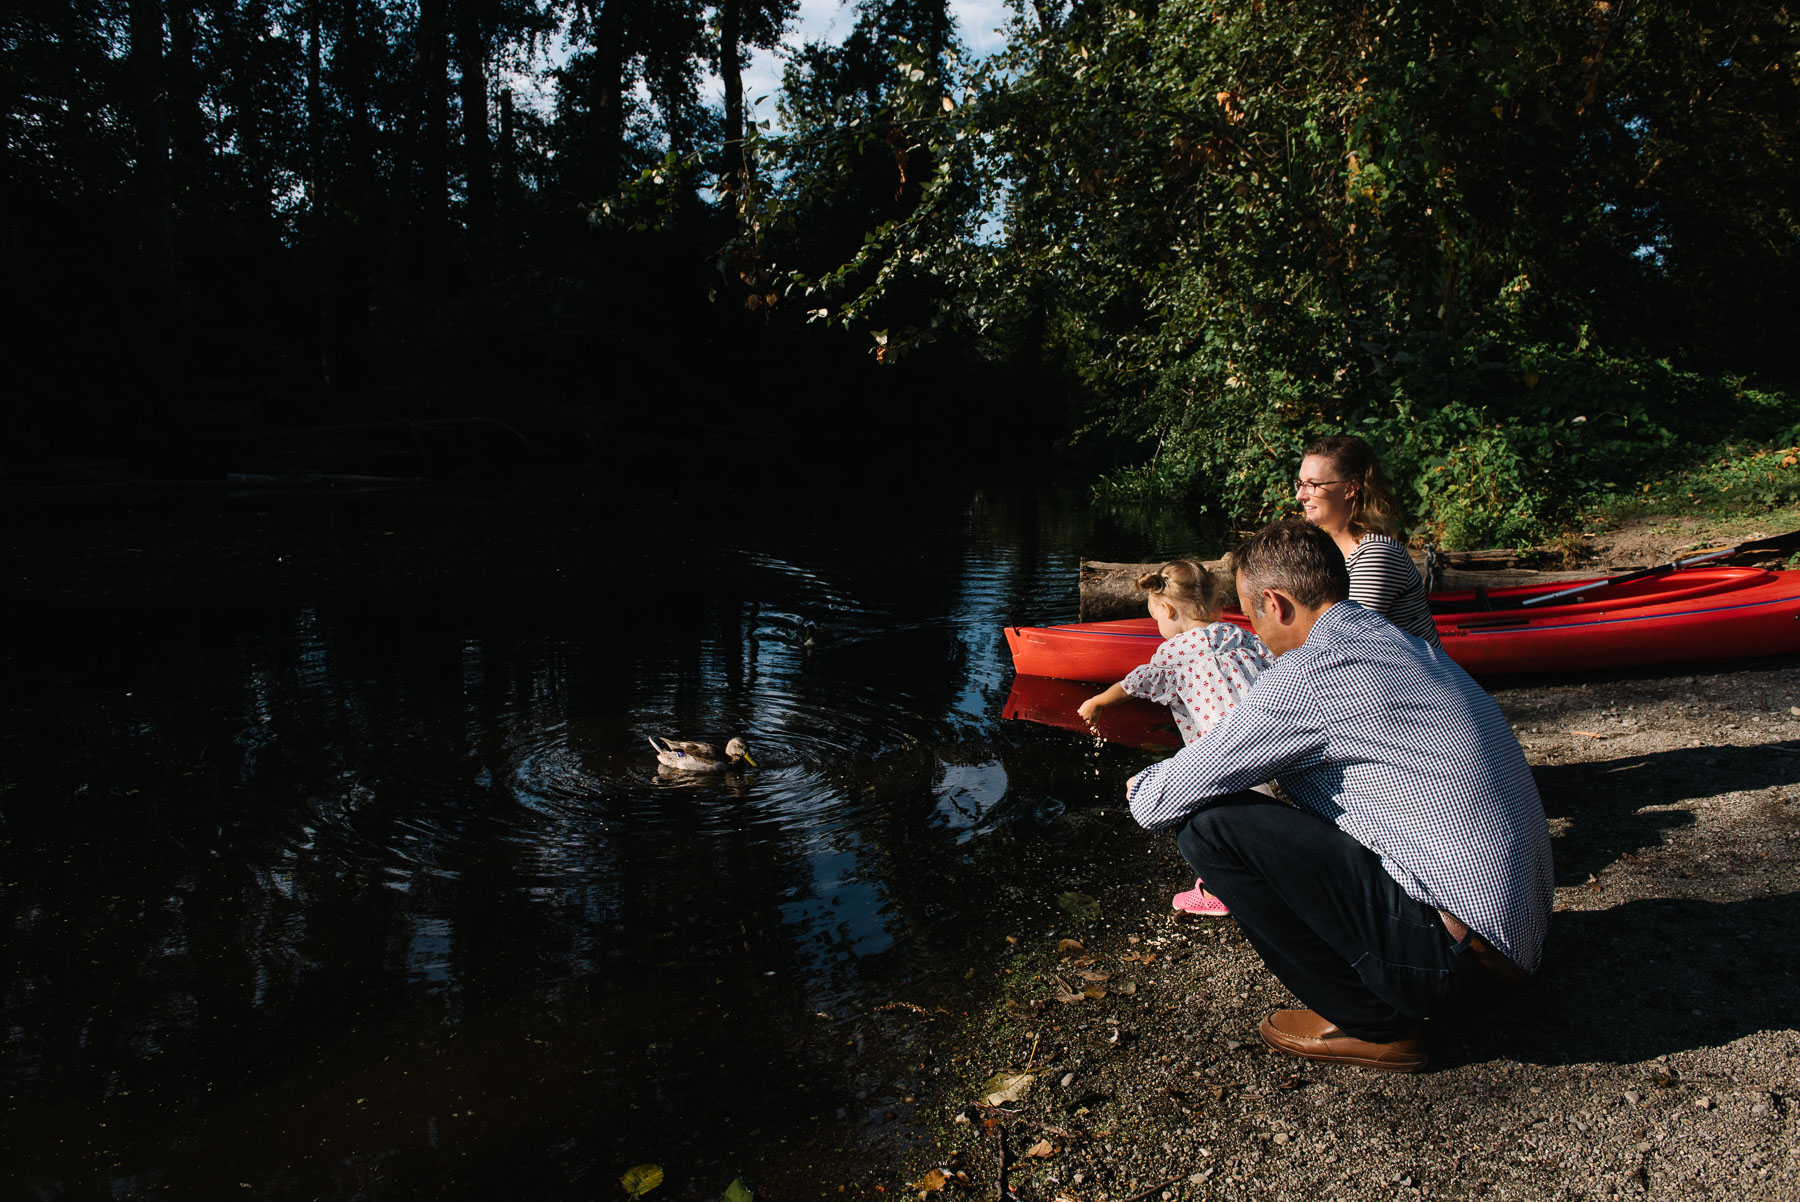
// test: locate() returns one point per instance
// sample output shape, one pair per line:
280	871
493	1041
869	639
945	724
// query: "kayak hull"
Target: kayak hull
1682	617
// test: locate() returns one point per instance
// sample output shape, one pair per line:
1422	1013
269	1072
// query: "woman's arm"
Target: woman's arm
1380	570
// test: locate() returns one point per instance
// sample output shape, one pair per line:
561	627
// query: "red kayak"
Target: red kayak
1698	614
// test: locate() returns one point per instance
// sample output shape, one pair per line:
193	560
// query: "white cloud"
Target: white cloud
982	23
977	21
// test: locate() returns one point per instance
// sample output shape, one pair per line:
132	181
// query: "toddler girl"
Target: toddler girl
1199	671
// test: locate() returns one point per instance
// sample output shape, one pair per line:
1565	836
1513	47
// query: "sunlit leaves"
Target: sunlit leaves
1224	228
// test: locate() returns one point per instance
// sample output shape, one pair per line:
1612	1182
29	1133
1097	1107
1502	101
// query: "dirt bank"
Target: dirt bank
1657	1056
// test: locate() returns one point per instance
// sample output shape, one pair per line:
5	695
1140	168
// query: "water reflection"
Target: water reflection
1133	722
358	878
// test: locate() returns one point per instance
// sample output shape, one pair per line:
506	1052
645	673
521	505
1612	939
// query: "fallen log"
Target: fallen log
1109	590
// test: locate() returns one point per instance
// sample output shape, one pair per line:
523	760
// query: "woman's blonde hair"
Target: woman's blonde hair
1373	509
1196	593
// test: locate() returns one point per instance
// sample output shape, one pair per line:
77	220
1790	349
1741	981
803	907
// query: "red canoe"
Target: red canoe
1697	614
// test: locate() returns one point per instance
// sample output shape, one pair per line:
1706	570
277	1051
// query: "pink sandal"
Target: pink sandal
1198	901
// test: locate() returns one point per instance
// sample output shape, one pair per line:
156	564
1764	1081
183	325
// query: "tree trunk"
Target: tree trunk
353	231
244	33
353	77
156	201
736	171
316	193
187	120
937	39
608	106
433	178
471	52
507	186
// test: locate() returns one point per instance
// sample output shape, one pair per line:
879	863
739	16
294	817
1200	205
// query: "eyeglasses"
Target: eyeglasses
1302	487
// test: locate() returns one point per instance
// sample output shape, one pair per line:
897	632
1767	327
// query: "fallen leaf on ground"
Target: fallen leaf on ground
1095	976
930	1183
1590	734
1006	1087
641	1179
1069	945
737	1191
1041	1150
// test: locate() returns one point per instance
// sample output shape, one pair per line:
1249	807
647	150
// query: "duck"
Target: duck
699	757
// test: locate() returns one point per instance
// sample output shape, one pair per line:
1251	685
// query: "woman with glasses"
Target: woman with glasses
1343	491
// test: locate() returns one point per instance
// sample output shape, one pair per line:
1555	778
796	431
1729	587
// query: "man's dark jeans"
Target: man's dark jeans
1327	918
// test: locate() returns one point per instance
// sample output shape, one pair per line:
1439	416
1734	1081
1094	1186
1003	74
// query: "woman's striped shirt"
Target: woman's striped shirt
1383	578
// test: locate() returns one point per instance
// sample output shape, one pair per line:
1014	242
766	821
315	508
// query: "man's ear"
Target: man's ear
1278	605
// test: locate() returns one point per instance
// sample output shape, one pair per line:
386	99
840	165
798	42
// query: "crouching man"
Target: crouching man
1412	873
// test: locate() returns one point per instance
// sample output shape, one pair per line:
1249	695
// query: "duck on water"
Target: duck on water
685	756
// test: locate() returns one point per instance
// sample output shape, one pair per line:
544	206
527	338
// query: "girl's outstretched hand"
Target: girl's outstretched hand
1099	701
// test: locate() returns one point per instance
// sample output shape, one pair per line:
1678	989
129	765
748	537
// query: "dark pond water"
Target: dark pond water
334	861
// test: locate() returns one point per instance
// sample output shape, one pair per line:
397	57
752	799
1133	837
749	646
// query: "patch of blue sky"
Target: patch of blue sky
979	23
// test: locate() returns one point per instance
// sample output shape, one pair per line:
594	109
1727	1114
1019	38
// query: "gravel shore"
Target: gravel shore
1657	1056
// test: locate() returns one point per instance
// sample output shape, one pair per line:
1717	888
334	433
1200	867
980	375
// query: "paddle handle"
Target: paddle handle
1627	578
1593	585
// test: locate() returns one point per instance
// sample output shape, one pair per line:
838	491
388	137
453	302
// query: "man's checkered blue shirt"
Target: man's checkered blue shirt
1368	727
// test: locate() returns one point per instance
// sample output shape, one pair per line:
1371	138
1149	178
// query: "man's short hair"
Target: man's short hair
1295	557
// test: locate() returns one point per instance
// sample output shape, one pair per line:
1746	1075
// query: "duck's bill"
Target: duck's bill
748	760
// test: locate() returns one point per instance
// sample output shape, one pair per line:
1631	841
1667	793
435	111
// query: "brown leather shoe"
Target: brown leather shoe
1305	1034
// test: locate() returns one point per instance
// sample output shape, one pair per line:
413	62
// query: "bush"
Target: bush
1555	435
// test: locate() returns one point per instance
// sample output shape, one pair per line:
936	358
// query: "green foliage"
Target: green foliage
1481	483
1540	252
1461	232
872	183
1729	477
